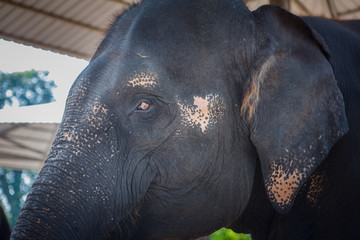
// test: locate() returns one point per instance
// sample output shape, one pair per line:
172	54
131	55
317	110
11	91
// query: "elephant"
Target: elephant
193	115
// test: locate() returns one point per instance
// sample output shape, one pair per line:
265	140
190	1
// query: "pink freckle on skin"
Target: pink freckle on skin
146	79
203	112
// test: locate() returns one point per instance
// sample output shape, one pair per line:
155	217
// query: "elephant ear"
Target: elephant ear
294	106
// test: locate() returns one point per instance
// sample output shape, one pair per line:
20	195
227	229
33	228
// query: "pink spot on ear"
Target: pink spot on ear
281	186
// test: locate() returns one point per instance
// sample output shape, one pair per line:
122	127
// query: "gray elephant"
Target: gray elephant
198	114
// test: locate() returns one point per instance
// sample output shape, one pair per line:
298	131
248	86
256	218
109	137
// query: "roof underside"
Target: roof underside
73	27
76	27
24	145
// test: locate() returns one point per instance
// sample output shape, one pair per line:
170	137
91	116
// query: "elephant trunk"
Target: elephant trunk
92	180
61	206
83	192
51	211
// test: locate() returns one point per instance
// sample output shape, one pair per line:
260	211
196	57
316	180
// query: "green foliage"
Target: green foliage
15	185
228	234
28	88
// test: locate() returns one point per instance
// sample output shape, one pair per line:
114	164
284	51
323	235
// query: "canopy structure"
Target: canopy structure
26	134
25	145
75	28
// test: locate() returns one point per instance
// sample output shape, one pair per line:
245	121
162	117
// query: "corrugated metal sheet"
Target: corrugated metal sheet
26	134
337	9
25	146
73	27
76	27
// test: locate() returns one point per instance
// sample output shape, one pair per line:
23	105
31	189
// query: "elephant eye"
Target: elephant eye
143	106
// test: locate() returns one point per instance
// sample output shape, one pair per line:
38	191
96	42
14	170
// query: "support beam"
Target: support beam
332	8
351	11
282	3
119	1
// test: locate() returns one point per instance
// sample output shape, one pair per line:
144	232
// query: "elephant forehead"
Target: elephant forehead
203	113
144	79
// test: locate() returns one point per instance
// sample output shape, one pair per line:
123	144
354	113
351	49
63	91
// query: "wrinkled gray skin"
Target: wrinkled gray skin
185	105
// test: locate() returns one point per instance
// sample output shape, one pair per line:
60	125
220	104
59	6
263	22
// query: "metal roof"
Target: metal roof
76	27
73	27
336	9
26	134
25	145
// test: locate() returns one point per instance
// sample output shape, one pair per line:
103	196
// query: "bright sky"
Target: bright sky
62	69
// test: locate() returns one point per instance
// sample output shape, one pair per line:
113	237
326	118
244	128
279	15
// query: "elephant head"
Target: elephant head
163	130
